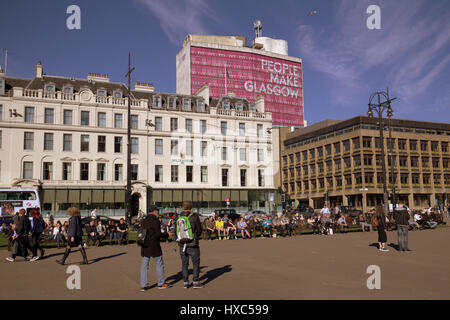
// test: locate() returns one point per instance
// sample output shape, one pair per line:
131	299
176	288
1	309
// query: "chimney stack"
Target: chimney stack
39	70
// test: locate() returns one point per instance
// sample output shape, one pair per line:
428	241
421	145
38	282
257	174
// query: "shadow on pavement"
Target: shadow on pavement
179	276
393	245
106	257
214	273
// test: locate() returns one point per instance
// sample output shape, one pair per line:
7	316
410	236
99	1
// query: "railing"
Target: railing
31	93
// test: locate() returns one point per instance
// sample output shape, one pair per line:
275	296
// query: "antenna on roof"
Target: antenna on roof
257	25
6	59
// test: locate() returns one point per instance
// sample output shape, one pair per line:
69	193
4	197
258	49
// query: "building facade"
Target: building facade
67	137
227	64
341	161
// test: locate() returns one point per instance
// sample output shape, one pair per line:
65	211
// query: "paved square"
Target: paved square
300	267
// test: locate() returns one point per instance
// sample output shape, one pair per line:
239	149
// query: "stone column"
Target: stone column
344	200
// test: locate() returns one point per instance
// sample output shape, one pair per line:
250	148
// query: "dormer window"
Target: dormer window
239	106
157	102
187	104
172	103
67	89
49	87
101	92
226	104
252	107
200	105
118	94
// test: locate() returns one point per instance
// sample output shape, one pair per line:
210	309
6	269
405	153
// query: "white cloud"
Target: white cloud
179	18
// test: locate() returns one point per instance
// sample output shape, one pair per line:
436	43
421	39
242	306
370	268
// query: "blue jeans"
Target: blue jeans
432	224
159	270
402	232
194	253
111	235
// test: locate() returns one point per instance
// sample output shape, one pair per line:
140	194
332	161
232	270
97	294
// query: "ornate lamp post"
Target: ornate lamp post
380	108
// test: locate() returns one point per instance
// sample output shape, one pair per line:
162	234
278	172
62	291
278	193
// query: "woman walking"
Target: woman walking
74	234
381	227
37	229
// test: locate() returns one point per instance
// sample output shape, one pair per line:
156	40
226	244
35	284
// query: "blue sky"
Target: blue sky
344	62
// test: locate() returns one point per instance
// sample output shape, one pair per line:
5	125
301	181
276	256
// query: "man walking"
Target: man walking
401	217
152	248
190	247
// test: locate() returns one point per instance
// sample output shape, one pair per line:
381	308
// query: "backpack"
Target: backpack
184	229
374	220
142	238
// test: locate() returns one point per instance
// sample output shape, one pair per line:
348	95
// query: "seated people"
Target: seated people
122	231
363	223
342	223
230	229
91	232
101	232
112	229
210	226
267	226
242	228
220	228
310	222
317	224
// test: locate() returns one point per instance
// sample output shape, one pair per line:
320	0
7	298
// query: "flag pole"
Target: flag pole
226	91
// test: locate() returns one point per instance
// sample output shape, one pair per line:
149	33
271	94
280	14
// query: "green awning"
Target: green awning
216	196
177	196
206	195
120	196
197	195
49	196
97	196
234	195
243	195
74	196
187	195
86	196
167	196
61	196
156	196
109	196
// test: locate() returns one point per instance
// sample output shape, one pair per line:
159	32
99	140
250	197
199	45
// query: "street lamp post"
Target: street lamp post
128	190
379	108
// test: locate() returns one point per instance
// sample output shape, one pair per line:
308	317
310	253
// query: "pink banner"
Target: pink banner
248	75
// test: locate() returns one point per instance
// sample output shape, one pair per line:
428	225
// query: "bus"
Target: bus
12	200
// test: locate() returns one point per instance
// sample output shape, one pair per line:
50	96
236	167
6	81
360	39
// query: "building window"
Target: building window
29	114
337	147
172	103
134	121
189	125
134	145
203	126
260	177
27	170
204	148
158	124
174	173
224	177
189	148
189	175
117	94
401	144
118	172
48	141
101	121
173	124
243	154
200	105
226	104
84	171
424	145
204	174
157	102
118	120
1	140
118	144
159	146
101	92
259	130
1	108
242	129
243	177
67	171
49	115
223	127
84	143
174	147
134	171
67	142
101	171
413	145
356	143
85	118
101	144
67	117
260	155
48	171
187	105
28	141
224	153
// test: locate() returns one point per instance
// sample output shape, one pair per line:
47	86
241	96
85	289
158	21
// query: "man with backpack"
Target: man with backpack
401	217
148	238
189	231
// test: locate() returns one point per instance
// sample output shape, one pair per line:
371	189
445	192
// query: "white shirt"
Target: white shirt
417	217
55	231
325	210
